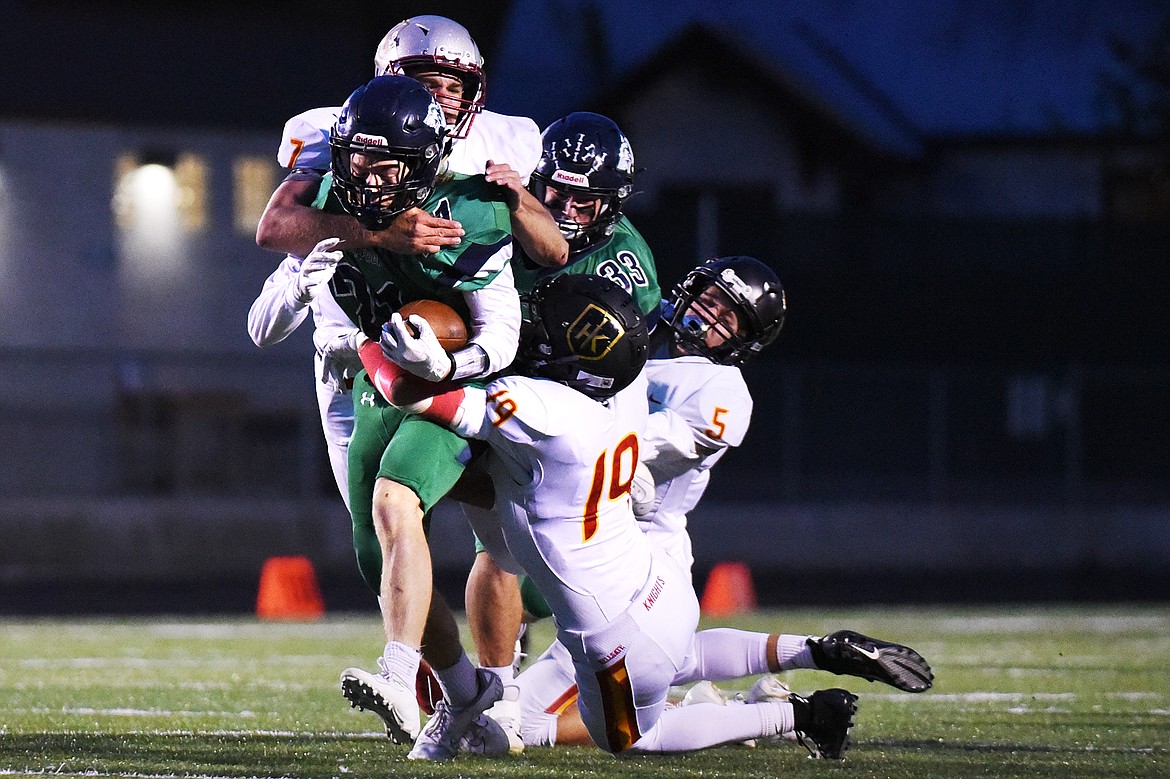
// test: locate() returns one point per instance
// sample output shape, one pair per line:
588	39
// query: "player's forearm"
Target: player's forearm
436	402
296	229
277	310
534	229
272	318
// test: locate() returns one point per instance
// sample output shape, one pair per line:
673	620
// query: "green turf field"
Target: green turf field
1020	692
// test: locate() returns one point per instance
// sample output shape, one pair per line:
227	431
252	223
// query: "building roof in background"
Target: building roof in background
902	72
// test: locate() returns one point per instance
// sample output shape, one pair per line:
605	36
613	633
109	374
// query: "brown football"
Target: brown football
445	321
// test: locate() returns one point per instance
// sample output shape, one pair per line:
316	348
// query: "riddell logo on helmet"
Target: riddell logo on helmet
454	55
369	140
567	177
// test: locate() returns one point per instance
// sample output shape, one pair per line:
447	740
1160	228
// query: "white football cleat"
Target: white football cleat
704	692
768	688
391	699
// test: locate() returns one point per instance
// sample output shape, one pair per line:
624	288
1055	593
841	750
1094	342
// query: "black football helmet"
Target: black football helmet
758	297
586	332
586	155
388	118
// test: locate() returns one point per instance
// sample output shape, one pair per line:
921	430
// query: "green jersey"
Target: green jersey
371	284
623	258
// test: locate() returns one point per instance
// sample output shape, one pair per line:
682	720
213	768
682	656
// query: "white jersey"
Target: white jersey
514	140
698	410
626	613
562	465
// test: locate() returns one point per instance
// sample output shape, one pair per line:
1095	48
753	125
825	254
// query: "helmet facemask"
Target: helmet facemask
375	183
741	285
580	235
386	148
464	108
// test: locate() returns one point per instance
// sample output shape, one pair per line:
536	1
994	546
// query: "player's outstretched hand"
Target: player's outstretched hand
501	173
338	348
316	270
412	344
414	231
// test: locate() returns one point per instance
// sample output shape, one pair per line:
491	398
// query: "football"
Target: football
449	327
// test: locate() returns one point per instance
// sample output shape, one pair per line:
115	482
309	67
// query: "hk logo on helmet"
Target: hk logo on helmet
594	333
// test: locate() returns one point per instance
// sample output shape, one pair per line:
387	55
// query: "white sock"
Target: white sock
506	673
723	653
401	661
708	724
459	682
793	652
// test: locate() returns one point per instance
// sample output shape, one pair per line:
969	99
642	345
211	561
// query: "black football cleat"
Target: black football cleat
824	720
853	654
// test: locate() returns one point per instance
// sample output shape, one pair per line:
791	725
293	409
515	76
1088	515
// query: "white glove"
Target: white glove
316	269
339	357
642	491
422	355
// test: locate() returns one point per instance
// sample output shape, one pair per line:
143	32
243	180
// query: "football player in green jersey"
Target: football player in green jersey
387	147
585	174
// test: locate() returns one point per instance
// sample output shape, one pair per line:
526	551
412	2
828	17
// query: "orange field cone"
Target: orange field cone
288	590
729	590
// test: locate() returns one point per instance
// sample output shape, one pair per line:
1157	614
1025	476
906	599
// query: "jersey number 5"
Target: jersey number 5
618	472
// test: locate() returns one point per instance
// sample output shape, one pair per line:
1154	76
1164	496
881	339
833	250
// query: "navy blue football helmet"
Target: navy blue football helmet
585	155
759	302
584	331
391	119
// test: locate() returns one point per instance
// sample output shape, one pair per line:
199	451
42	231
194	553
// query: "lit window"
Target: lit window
255	178
154	191
191	177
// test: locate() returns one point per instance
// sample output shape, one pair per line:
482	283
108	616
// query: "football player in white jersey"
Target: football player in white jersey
441	54
625	612
725	311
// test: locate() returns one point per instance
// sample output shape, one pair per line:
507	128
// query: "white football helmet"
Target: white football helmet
436	43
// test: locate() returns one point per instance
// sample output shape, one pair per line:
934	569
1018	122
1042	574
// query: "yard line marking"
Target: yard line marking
85	711
186	662
1007	697
320	735
123	774
266	684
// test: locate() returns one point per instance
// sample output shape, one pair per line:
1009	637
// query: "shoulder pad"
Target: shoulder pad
305	141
